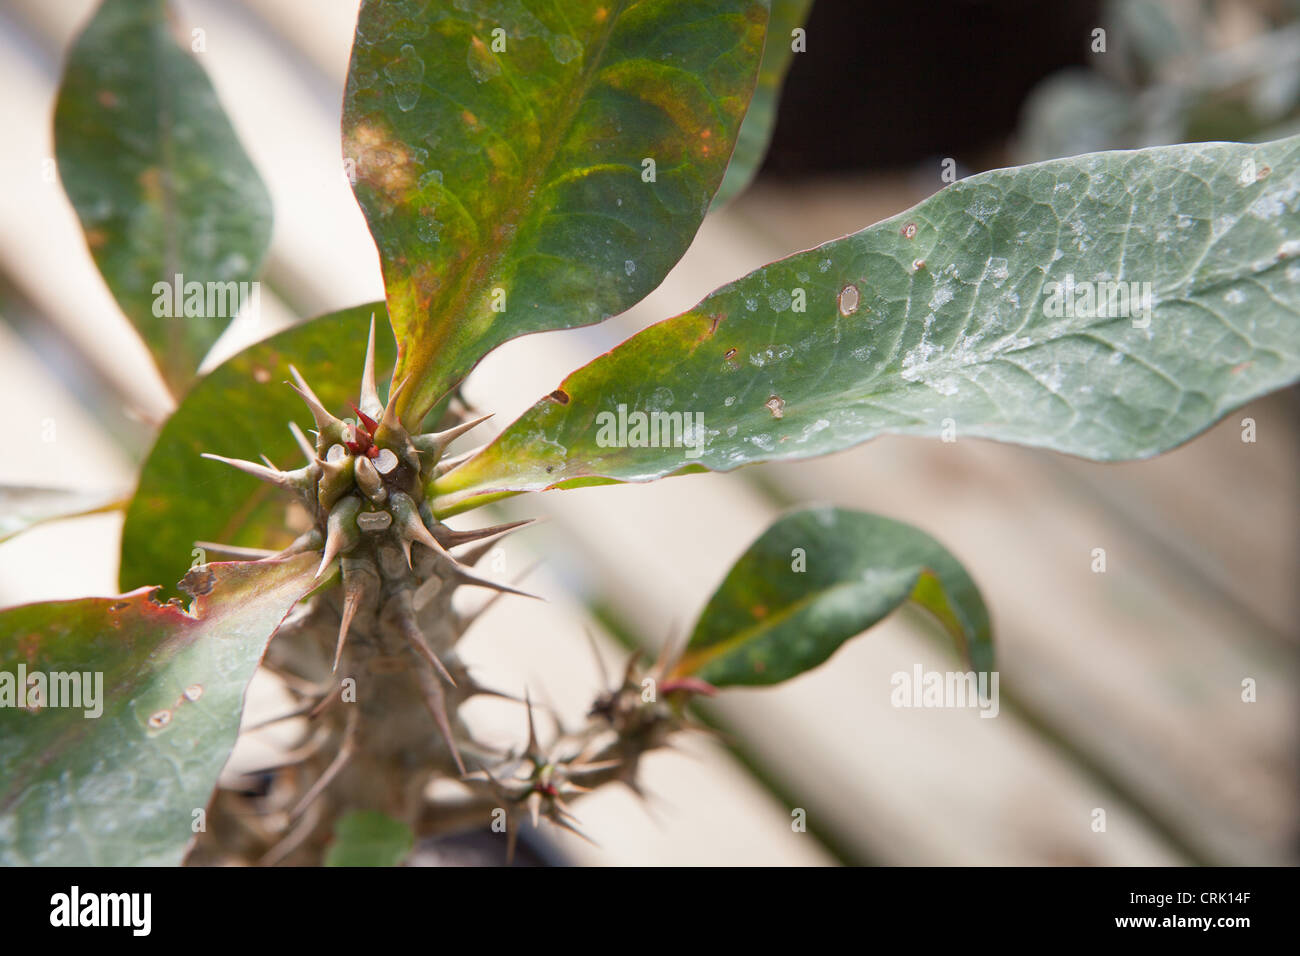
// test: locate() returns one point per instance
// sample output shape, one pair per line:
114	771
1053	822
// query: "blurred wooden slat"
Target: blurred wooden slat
1139	664
55	443
41	243
1220	508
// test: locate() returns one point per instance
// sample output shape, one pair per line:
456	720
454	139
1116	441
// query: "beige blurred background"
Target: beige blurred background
1120	691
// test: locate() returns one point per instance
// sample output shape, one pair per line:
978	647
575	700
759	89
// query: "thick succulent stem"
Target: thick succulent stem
373	655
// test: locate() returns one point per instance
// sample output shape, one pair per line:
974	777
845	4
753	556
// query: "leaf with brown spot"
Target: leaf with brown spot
972	343
506	187
121	789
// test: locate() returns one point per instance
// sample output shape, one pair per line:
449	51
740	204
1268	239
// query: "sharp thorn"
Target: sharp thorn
597	767
478	689
600	661
574	830
535	807
435	443
356	586
562	808
436	702
304	389
670	651
468	619
324	420
389	420
452	539
302	710
296	836
370	403
512	840
410	629
309	540
447	464
302	442
474	555
342	533
629	671
325	703
242	554
465	576
271	475
336	765
534	748
406	519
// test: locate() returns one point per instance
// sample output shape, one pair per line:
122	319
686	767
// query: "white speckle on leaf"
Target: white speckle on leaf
1221	225
1273	203
1080	232
981	211
809	430
777	353
997	271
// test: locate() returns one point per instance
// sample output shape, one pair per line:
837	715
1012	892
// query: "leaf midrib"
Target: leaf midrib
472	280
694	661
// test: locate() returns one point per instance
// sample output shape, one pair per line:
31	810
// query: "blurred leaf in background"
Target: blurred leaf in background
1166	71
163	189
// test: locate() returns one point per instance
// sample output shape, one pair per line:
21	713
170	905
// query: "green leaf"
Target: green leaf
943	321
756	130
241	410
770	621
159	181
368	838
122	788
502	153
24	506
